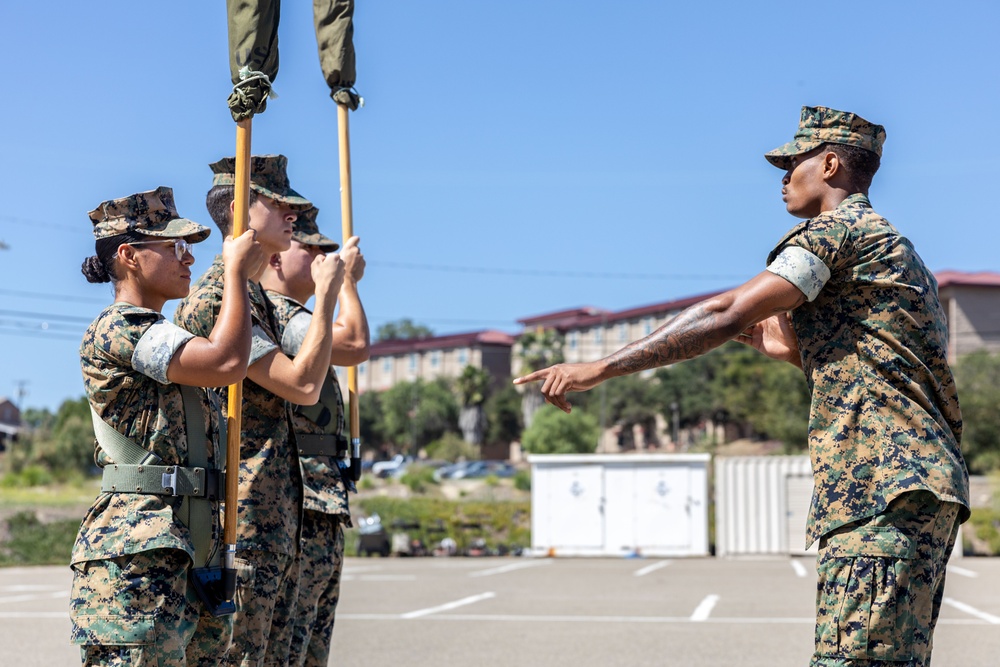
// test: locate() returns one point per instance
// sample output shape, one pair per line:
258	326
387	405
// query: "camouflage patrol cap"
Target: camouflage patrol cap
267	177
820	125
152	213
305	230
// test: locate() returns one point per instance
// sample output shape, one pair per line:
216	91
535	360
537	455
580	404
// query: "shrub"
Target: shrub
522	480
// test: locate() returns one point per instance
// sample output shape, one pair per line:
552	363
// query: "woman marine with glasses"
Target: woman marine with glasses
133	601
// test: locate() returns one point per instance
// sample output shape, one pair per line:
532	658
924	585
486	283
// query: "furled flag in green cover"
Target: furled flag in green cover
253	53
335	38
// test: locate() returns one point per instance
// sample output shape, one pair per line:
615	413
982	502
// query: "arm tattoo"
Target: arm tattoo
693	332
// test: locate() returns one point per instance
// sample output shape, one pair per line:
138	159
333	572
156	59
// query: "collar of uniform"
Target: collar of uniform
278	295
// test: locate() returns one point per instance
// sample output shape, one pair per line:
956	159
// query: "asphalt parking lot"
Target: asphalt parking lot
686	612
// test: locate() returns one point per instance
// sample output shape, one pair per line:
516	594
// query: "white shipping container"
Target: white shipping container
617	505
761	505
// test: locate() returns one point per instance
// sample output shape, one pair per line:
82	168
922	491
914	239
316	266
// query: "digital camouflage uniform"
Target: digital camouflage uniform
270	497
321	558
131	601
321	555
891	486
270	486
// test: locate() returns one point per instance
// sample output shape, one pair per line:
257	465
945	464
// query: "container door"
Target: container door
576	507
664	507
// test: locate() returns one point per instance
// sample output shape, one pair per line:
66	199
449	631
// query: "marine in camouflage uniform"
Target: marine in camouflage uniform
891	486
132	602
270	485
859	312
321	557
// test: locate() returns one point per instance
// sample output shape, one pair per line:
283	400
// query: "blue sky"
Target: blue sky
512	158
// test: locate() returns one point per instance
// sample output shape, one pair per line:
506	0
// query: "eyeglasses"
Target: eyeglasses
181	246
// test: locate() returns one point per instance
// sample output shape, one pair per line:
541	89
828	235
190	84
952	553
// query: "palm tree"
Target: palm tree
537	349
473	390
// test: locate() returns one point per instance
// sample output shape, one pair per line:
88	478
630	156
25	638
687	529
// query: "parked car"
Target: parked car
476	470
384	469
372	538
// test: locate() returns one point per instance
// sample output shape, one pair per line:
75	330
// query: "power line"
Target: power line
543	273
47	316
52	297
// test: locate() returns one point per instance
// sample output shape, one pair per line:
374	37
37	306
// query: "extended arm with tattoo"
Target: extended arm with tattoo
693	332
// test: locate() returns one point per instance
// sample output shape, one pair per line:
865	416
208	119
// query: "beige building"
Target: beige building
394	361
971	302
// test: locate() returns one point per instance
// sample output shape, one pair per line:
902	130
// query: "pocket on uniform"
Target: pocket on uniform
107	630
863	609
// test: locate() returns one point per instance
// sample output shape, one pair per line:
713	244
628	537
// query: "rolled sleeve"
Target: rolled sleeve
261	344
801	268
157	347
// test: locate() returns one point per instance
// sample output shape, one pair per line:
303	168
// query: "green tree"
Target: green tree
555	432
371	427
503	415
633	400
62	443
537	349
403	329
978	378
473	389
771	396
417	413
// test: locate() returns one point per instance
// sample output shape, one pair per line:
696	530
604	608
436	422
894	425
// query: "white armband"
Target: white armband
157	347
261	344
295	333
802	269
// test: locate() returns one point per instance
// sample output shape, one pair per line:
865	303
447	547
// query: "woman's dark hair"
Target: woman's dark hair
100	267
218	200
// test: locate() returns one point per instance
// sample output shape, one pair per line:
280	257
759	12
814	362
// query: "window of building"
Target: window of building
362	368
598	335
622	332
647	326
387	365
463	358
572	340
435	359
413	362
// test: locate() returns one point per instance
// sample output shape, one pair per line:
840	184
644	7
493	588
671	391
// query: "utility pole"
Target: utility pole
21	393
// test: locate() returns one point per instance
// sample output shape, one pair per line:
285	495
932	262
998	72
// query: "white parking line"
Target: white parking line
450	605
28	598
962	571
34	614
527	618
651	568
799	568
704	608
379	577
968	609
29	587
509	568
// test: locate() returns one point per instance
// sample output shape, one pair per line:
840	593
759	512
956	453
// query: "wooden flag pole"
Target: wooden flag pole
347	227
234	409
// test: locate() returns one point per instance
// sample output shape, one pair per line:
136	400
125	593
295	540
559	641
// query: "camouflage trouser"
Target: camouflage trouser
321	561
140	610
881	582
262	625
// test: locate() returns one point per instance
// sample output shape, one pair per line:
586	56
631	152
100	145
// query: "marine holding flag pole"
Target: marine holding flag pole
334	21
253	65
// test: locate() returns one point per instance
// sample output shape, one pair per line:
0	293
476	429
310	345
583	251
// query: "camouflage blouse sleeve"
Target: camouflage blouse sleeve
809	258
157	347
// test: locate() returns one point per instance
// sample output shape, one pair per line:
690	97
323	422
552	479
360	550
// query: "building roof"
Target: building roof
578	318
471	339
949	278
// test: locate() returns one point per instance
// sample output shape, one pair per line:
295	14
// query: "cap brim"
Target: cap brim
180	228
781	157
290	198
324	243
